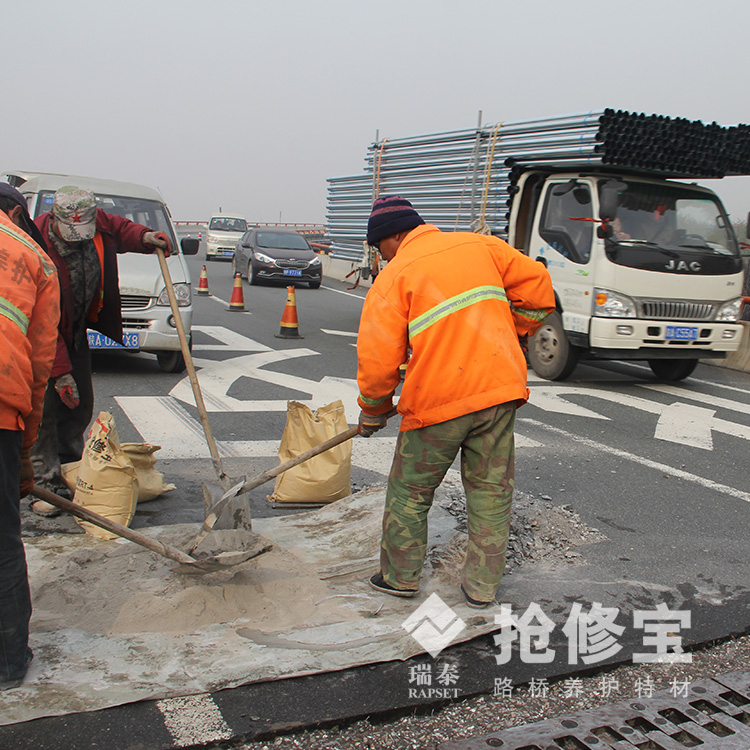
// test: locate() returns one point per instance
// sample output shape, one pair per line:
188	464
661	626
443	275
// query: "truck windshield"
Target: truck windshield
671	217
140	210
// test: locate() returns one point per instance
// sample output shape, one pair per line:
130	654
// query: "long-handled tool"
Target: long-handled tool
248	484
240	517
224	480
205	564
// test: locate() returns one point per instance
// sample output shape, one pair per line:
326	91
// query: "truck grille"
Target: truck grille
675	310
135	301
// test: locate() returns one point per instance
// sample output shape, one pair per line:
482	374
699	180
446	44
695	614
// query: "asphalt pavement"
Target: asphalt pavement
658	469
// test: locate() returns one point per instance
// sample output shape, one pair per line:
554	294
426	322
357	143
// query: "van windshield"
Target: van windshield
151	214
227	224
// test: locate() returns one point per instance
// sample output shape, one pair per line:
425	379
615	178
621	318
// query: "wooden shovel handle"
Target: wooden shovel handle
326	445
166	550
190	367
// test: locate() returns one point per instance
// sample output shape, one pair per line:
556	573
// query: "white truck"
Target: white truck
644	267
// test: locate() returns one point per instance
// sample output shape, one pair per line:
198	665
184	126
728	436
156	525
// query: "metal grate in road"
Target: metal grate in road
713	715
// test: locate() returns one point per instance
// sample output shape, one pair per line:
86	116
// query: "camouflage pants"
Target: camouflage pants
422	458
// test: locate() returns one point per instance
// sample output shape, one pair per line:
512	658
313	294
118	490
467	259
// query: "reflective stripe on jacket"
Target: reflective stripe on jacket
459	302
29	312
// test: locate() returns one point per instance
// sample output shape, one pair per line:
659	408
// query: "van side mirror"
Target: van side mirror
190	245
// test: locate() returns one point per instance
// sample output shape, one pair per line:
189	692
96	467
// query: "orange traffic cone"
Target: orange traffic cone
237	302
203	282
289	329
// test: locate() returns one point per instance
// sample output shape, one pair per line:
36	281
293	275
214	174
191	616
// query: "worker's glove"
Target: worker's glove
157	239
67	390
369	423
26	479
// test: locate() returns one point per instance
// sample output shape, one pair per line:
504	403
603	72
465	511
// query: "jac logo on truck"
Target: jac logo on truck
681	265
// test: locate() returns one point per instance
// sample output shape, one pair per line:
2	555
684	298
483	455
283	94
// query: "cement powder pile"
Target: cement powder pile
114	623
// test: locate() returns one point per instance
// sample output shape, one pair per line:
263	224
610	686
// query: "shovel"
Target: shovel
248	484
241	514
205	564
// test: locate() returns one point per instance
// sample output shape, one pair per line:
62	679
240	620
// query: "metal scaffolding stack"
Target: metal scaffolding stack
463	179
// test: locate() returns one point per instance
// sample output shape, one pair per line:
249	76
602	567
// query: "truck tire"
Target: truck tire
171	360
672	369
551	355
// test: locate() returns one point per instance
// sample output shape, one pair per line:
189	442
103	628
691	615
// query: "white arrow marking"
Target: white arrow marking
717	401
677	423
228	339
216	379
689	425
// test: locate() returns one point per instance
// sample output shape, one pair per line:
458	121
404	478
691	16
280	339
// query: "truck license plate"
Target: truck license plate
681	333
100	341
292	272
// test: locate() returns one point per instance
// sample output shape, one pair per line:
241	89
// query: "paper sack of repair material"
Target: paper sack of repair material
106	480
151	482
323	478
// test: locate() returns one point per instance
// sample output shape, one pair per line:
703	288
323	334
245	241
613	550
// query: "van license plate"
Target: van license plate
100	341
292	272
681	333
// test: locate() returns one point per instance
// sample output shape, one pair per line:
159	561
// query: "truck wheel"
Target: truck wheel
672	369
171	360
550	353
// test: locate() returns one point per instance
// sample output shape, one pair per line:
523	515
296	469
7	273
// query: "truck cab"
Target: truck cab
643	269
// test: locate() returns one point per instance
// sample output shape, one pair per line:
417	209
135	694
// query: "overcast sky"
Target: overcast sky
249	106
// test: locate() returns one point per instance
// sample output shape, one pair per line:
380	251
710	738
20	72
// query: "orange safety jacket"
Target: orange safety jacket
29	313
459	301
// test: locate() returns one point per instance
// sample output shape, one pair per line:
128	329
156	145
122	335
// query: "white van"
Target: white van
148	323
224	232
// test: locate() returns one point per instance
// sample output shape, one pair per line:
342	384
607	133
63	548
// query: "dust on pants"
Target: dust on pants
422	458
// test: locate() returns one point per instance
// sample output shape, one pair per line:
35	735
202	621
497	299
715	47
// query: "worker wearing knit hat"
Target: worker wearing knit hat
391	215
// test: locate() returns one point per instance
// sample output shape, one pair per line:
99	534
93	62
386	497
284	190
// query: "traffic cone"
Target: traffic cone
289	329
237	302
203	282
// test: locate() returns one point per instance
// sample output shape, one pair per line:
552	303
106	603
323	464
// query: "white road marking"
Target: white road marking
648	463
160	420
339	333
194	720
704	398
347	294
677	423
690	425
216	379
228	340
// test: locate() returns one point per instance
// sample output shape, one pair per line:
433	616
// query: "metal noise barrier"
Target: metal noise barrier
463	180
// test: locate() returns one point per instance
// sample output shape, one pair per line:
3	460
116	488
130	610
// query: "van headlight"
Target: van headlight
612	305
181	291
729	312
315	261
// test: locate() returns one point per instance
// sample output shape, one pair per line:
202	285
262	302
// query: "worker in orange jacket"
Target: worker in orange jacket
455	305
29	312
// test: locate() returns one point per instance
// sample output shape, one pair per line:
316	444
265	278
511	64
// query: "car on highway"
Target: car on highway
224	231
276	255
148	323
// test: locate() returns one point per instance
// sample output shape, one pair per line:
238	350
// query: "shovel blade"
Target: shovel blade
236	514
